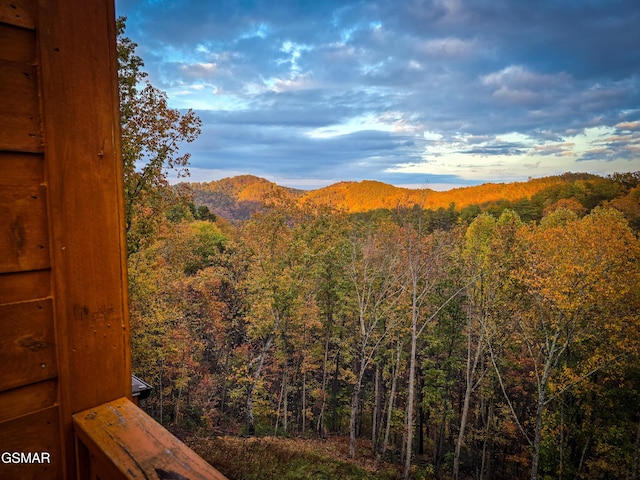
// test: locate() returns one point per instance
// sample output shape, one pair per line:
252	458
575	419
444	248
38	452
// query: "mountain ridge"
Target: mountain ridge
235	198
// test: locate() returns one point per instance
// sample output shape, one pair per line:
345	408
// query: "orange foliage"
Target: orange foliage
230	196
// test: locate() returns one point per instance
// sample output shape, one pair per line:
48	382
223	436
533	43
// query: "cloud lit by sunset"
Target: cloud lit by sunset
409	93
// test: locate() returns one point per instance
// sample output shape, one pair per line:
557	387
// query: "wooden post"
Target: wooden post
83	172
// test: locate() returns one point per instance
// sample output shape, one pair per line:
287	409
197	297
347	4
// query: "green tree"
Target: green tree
152	134
372	271
576	276
276	278
422	264
475	257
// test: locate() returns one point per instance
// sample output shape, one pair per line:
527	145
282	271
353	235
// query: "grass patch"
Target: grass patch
288	459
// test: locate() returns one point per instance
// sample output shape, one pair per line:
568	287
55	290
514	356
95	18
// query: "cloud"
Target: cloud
556	149
200	71
518	85
614	144
452	90
448	48
630	126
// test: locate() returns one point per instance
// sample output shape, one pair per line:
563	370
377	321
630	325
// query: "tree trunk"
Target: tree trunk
469	377
320	427
334	394
421	416
553	354
285	405
463	426
335	385
251	428
355	400
441	440
535	460
275	429
375	416
411	392
304	402
392	397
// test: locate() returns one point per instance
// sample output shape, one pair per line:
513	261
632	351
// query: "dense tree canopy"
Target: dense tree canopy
480	348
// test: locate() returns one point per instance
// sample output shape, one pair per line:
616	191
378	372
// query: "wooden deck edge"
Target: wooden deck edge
124	442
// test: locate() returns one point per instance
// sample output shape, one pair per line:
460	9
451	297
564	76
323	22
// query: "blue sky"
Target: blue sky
418	93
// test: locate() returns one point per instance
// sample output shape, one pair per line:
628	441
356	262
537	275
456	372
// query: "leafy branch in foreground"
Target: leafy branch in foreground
152	134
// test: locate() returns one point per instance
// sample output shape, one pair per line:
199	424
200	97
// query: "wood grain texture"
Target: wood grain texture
124	439
20	129
83	173
18	12
24	286
21	169
17	44
34	433
31	398
24	238
27	343
64	332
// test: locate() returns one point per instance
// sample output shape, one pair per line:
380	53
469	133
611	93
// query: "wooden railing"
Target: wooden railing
117	440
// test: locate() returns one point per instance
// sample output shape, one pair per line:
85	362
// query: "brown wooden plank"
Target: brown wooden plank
27	343
24	243
19	89
24	286
20	133
120	434
19	108
17	44
35	433
18	12
83	173
21	401
21	169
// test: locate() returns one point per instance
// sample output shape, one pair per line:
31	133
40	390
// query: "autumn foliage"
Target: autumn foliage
301	322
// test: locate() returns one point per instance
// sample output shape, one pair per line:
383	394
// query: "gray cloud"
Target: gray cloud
375	76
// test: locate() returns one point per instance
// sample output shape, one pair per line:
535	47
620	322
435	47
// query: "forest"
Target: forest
496	340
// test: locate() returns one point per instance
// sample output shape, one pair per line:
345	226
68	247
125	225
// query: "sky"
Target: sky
416	93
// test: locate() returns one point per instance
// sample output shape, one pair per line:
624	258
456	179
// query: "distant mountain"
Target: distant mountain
370	195
367	195
236	198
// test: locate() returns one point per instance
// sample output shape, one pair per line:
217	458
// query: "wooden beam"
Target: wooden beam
124	442
17	44
23	286
83	174
24	400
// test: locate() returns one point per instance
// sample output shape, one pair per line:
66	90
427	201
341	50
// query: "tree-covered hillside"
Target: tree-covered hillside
501	346
237	198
